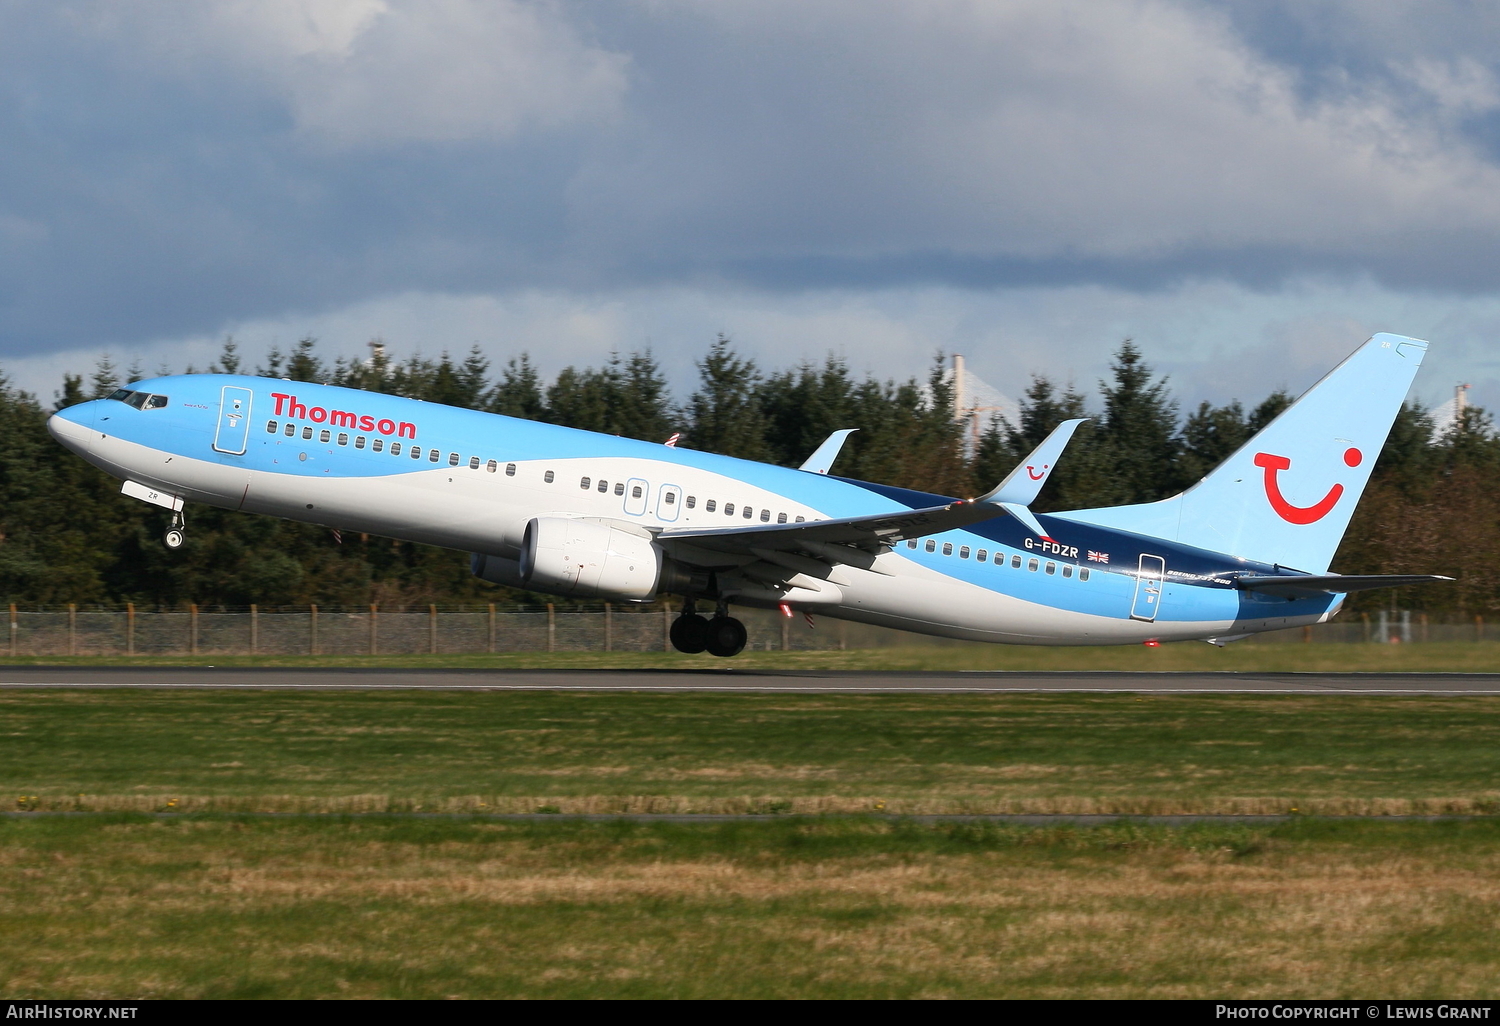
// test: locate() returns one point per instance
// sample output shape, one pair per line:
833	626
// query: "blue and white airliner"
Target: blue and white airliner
590	516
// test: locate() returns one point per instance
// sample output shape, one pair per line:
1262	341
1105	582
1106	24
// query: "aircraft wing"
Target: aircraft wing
864	536
1329	583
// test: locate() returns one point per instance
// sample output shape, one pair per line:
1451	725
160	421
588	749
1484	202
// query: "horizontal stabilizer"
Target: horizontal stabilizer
1330	583
1025	516
821	460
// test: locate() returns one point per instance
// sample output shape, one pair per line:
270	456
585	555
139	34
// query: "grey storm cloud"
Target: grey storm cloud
172	167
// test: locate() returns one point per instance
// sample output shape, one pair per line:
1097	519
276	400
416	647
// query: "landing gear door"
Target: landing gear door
1148	588
233	434
635	496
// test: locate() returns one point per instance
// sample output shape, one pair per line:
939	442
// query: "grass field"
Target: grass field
219	904
221	907
1454	657
711	752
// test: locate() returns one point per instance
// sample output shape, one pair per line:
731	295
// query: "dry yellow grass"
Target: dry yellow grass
206	908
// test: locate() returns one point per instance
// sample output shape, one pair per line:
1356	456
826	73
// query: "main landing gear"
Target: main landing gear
722	636
174	537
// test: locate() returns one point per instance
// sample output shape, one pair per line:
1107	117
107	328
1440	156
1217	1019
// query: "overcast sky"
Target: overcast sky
1248	189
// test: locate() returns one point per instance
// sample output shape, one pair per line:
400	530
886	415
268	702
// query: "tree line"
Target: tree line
67	535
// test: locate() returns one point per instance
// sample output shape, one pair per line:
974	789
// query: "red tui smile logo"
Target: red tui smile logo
1301	514
1031	471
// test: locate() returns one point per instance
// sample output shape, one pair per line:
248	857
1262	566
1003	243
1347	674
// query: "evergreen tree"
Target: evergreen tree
519	391
106	378
724	414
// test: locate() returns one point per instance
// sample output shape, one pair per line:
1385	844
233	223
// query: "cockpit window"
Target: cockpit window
139	400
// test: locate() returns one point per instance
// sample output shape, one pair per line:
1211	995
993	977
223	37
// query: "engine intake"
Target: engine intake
589	559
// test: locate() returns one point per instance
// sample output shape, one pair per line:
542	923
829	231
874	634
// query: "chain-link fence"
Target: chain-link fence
463	630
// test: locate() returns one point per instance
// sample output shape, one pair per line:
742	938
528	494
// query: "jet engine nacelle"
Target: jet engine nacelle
590	559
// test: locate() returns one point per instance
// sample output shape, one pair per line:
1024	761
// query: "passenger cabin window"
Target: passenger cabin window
291	429
1067	570
547	477
492	466
800	519
473	462
1032	564
306	433
324	435
1083	573
982	555
395	448
765	516
452	458
416	452
671	498
781	518
931	545
343	438
911	543
691	501
1015	562
999	559
603	486
635	491
510	470
585	483
359	441
1051	567
947	548
963	553
270	427
729	509
749	512
711	505
619	487
433	454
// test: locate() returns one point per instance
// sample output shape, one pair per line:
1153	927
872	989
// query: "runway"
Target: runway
762	681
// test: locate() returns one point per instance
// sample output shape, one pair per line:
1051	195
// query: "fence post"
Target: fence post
609	627
193	628
786	633
374	627
15	628
491	625
1478	628
1424	627
1307	634
312	631
551	628
843	636
254	628
432	630
666	628
72	628
129	628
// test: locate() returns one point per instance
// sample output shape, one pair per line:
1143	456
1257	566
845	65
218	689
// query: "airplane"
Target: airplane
591	516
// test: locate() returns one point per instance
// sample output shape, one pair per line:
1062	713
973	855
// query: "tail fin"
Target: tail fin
1286	496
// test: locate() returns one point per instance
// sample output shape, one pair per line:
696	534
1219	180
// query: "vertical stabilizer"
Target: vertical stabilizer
1286	496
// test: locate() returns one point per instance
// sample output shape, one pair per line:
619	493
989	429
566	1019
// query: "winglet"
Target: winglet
1021	485
822	459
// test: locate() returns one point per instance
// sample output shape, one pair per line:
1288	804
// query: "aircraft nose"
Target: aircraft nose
74	426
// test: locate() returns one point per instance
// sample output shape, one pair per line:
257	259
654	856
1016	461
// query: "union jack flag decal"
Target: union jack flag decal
1098	557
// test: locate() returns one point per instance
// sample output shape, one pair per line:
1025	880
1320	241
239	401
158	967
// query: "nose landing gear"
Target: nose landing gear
174	538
